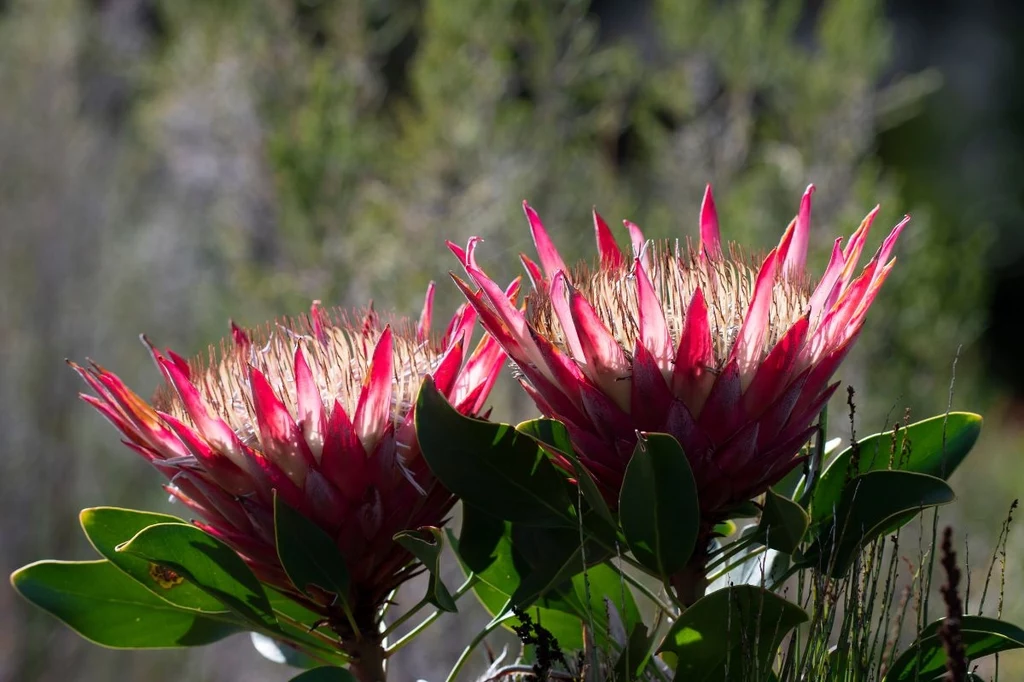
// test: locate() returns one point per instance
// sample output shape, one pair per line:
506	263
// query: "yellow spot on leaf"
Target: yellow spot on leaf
164	577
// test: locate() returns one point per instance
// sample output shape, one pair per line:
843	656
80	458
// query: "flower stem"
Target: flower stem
330	642
408	637
739	562
367	659
690	583
729	551
644	590
404	617
491	627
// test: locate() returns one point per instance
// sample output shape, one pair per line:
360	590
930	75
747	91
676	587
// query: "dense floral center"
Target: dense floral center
727	285
339	360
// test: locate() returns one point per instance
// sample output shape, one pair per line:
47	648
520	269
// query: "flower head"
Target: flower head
318	410
731	358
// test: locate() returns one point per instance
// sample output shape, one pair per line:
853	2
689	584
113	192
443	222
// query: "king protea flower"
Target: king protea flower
731	359
320	411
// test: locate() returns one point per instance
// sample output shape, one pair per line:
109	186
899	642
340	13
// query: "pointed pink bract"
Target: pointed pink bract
710	234
611	256
251	426
550	260
795	260
734	364
374	406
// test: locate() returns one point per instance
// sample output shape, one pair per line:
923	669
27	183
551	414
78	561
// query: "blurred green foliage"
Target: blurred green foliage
166	165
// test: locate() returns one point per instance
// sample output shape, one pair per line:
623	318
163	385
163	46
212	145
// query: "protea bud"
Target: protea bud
732	359
317	410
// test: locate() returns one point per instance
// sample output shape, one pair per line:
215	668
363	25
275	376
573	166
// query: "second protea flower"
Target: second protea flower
730	357
317	411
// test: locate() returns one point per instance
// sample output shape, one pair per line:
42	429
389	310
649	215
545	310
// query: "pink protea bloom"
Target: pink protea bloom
319	410
731	359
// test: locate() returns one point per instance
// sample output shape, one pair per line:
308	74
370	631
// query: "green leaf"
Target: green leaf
485	549
658	505
297	623
491	466
783	523
101	603
871	504
325	674
108	527
554	556
725	528
429	554
635	655
308	555
555	436
936	447
550	432
981	636
209	564
713	640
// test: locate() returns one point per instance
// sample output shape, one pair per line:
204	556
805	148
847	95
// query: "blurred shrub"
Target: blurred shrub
166	164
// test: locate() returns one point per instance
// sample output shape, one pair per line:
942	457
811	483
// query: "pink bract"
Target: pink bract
731	359
320	410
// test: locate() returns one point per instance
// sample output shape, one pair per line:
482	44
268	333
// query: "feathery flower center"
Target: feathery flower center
338	364
727	285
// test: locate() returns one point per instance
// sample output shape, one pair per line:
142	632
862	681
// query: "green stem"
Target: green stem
403	618
491	627
643	589
367	659
746	557
787	575
426	622
731	550
329	641
814	466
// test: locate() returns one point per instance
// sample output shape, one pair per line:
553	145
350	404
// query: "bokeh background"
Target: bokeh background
166	165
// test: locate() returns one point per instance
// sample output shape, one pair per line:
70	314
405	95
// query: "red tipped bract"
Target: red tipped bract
731	357
318	409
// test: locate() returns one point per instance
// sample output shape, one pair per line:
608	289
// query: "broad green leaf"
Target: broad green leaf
108	527
290	608
548	431
713	640
101	603
298	624
325	674
428	551
307	553
491	466
783	523
553	434
635	655
871	504
981	636
658	506
485	548
209	564
554	557
936	447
